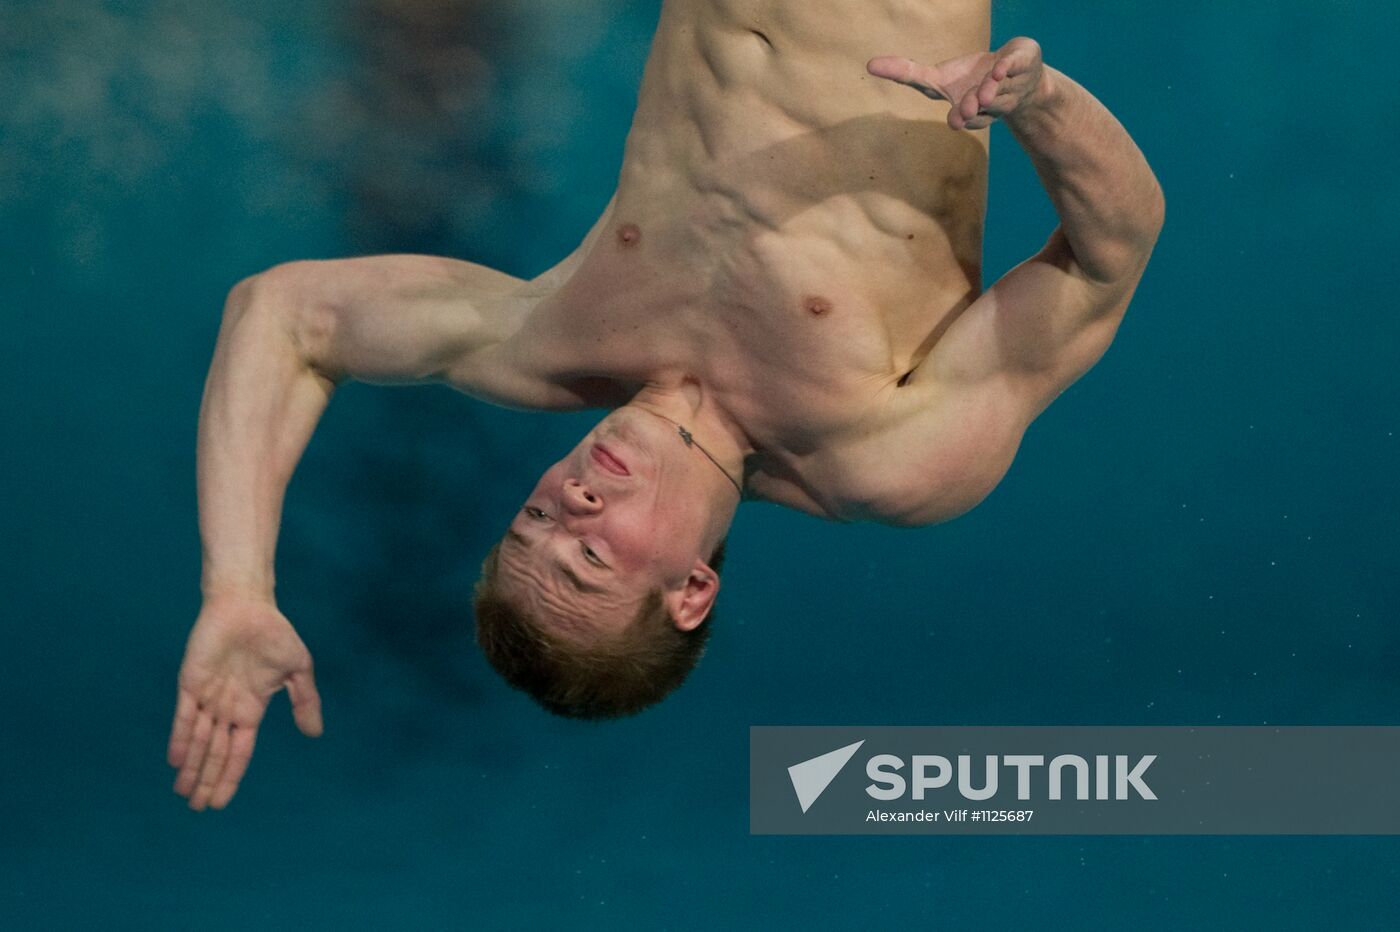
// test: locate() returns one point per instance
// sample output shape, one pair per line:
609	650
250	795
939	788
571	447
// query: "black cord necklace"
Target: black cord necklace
690	441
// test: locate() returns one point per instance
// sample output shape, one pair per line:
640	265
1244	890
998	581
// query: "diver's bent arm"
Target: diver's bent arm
1110	204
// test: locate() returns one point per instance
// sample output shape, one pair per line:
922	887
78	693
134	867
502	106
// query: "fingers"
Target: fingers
1028	50
893	68
975	110
194	755
1016	56
967	113
994	98
182	729
212	753
213	767
910	73
306	703
1008	65
987	91
240	752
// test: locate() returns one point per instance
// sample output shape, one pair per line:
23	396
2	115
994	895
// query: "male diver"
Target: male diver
782	302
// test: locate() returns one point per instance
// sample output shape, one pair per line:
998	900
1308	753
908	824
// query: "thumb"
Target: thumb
910	73
306	702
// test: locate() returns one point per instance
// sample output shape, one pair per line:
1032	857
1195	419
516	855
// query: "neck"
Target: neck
717	436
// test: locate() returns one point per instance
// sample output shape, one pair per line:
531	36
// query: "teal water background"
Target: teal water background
1202	531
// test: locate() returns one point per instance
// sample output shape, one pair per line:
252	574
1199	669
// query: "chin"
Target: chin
631	428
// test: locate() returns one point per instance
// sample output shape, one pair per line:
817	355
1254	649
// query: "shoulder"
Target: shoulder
921	456
532	362
927	461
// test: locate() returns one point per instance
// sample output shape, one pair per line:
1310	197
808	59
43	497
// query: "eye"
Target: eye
591	556
535	513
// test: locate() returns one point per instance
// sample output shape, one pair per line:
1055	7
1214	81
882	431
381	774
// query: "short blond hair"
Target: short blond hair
610	677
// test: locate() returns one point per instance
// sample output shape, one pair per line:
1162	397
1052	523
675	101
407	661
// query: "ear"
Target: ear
691	602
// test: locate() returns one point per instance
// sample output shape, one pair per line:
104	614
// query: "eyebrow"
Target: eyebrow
578	582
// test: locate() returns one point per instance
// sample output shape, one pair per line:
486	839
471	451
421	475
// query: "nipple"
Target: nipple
816	305
629	234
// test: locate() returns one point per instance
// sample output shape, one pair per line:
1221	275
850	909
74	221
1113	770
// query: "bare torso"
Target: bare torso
788	231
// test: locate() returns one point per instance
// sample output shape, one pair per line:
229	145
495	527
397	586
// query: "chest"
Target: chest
797	322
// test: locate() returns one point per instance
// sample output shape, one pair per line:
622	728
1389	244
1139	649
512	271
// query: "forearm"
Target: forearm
1109	202
262	401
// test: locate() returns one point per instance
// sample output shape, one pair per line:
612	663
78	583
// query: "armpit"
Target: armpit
787	492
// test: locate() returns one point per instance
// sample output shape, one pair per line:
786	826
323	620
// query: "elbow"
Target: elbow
241	300
1122	256
1154	216
1156	212
1140	238
285	300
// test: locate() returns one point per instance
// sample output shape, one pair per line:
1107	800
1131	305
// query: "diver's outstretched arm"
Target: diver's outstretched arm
289	335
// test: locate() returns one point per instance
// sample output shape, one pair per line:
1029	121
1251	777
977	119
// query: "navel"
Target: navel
629	235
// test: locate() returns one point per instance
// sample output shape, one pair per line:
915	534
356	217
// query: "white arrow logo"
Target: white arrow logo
811	777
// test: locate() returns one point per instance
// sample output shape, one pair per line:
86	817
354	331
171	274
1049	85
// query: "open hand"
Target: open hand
981	87
241	651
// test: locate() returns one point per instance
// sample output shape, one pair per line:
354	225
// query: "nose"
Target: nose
579	499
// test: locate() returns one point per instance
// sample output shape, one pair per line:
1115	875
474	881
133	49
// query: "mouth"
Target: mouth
609	460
